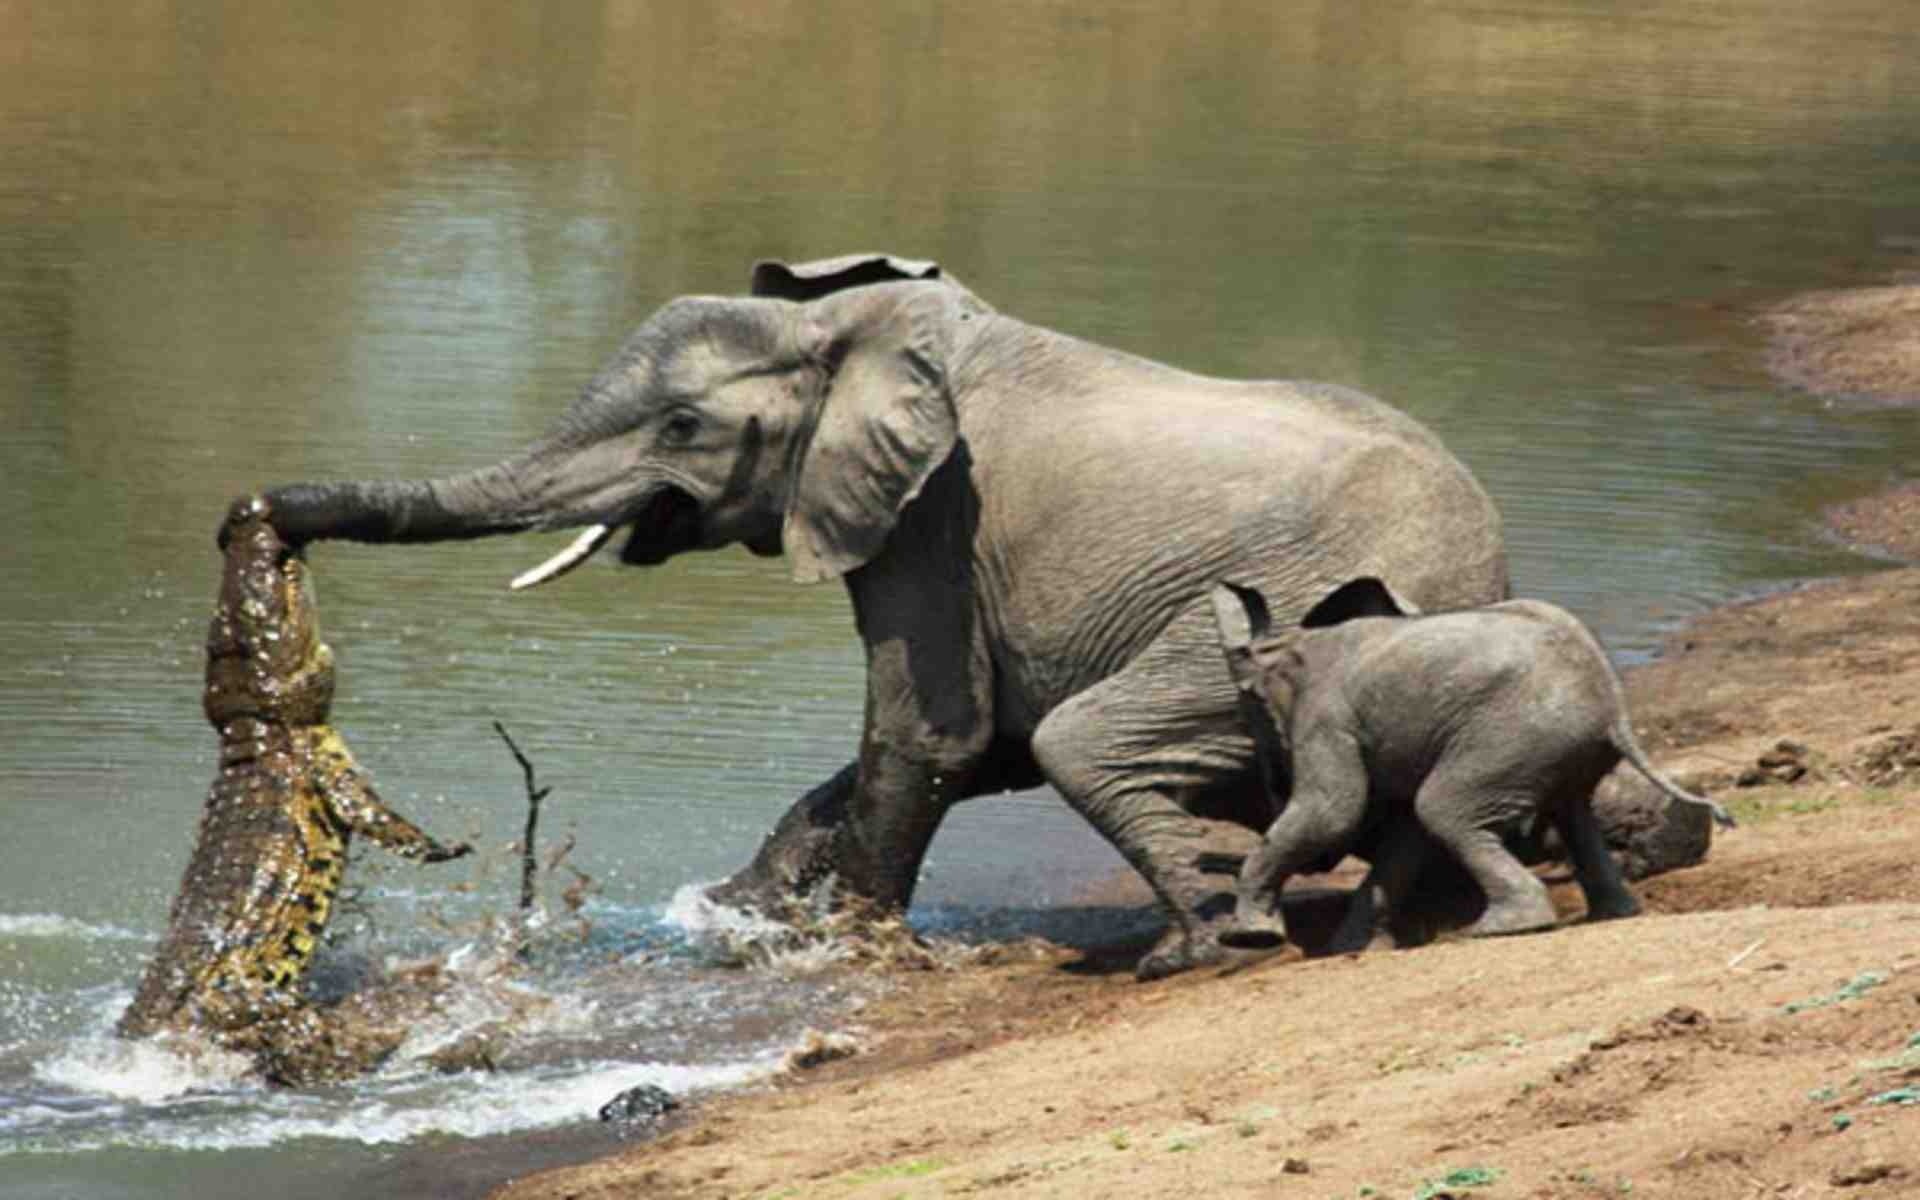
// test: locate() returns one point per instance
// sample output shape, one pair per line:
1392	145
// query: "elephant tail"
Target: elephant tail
1629	748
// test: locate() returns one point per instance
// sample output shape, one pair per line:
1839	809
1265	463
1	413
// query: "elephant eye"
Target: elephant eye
679	428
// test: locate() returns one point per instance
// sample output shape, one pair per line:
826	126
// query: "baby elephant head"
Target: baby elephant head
1266	665
265	659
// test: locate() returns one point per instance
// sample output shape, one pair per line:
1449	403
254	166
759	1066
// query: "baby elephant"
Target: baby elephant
1386	732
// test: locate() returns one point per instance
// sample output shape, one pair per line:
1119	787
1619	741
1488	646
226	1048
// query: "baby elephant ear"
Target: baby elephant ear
1241	613
1362	597
882	426
823	277
1242	617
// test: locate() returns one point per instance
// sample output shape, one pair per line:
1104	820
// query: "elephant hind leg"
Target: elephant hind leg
1463	814
1594	869
1378	904
1123	752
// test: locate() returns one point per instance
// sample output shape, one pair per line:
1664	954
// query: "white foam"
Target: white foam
696	912
805	958
180	1093
495	1104
147	1071
480	1000
461	1106
737	937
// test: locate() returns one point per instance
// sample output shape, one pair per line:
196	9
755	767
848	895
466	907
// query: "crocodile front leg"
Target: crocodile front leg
353	802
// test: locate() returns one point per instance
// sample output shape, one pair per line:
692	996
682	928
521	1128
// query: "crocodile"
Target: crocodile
272	841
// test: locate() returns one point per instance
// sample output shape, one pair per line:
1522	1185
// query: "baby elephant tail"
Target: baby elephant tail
1623	741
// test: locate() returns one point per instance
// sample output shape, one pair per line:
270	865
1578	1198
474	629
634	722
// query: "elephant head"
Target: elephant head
803	418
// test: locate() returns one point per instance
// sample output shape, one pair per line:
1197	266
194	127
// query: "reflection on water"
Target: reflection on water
252	243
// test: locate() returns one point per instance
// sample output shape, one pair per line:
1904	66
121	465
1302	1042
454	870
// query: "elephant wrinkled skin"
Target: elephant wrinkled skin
272	843
1026	524
1397	734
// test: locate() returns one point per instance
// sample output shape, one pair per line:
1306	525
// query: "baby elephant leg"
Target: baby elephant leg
1593	866
1319	825
1378	900
1465	817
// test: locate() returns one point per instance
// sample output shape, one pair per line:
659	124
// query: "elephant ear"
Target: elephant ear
825	276
883	423
1243	619
1362	597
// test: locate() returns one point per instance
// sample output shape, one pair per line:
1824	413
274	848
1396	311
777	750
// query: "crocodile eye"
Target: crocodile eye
680	428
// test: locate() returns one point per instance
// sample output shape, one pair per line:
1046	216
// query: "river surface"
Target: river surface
252	243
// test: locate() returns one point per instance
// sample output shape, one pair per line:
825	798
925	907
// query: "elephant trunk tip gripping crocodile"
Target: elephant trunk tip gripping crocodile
272	840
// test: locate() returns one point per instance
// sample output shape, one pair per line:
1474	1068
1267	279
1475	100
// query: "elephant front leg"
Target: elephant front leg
1593	865
817	839
1321	822
866	829
798	854
927	743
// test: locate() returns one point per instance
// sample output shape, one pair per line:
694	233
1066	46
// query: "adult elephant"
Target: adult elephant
1027	524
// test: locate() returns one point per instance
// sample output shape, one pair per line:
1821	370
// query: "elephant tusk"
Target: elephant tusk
579	550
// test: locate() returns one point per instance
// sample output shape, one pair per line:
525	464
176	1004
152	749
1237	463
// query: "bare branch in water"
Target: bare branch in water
529	859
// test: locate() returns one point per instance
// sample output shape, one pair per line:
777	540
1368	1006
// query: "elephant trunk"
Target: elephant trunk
475	504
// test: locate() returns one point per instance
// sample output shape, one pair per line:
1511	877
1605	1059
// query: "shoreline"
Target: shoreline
1884	524
1856	345
1059	1075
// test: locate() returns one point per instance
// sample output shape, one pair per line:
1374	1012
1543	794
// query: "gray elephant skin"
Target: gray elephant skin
1396	734
1026	523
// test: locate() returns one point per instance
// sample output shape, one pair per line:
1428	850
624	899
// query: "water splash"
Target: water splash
392	1112
696	913
151	1071
566	1033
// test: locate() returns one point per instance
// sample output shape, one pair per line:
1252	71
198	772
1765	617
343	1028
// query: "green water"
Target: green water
251	243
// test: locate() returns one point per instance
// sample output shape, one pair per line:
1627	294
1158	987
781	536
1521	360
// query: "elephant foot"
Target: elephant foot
1503	920
1613	908
748	892
1180	950
1211	934
1254	931
797	856
1361	931
1242	938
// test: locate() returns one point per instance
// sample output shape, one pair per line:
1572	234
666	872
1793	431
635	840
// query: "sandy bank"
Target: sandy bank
1852	344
